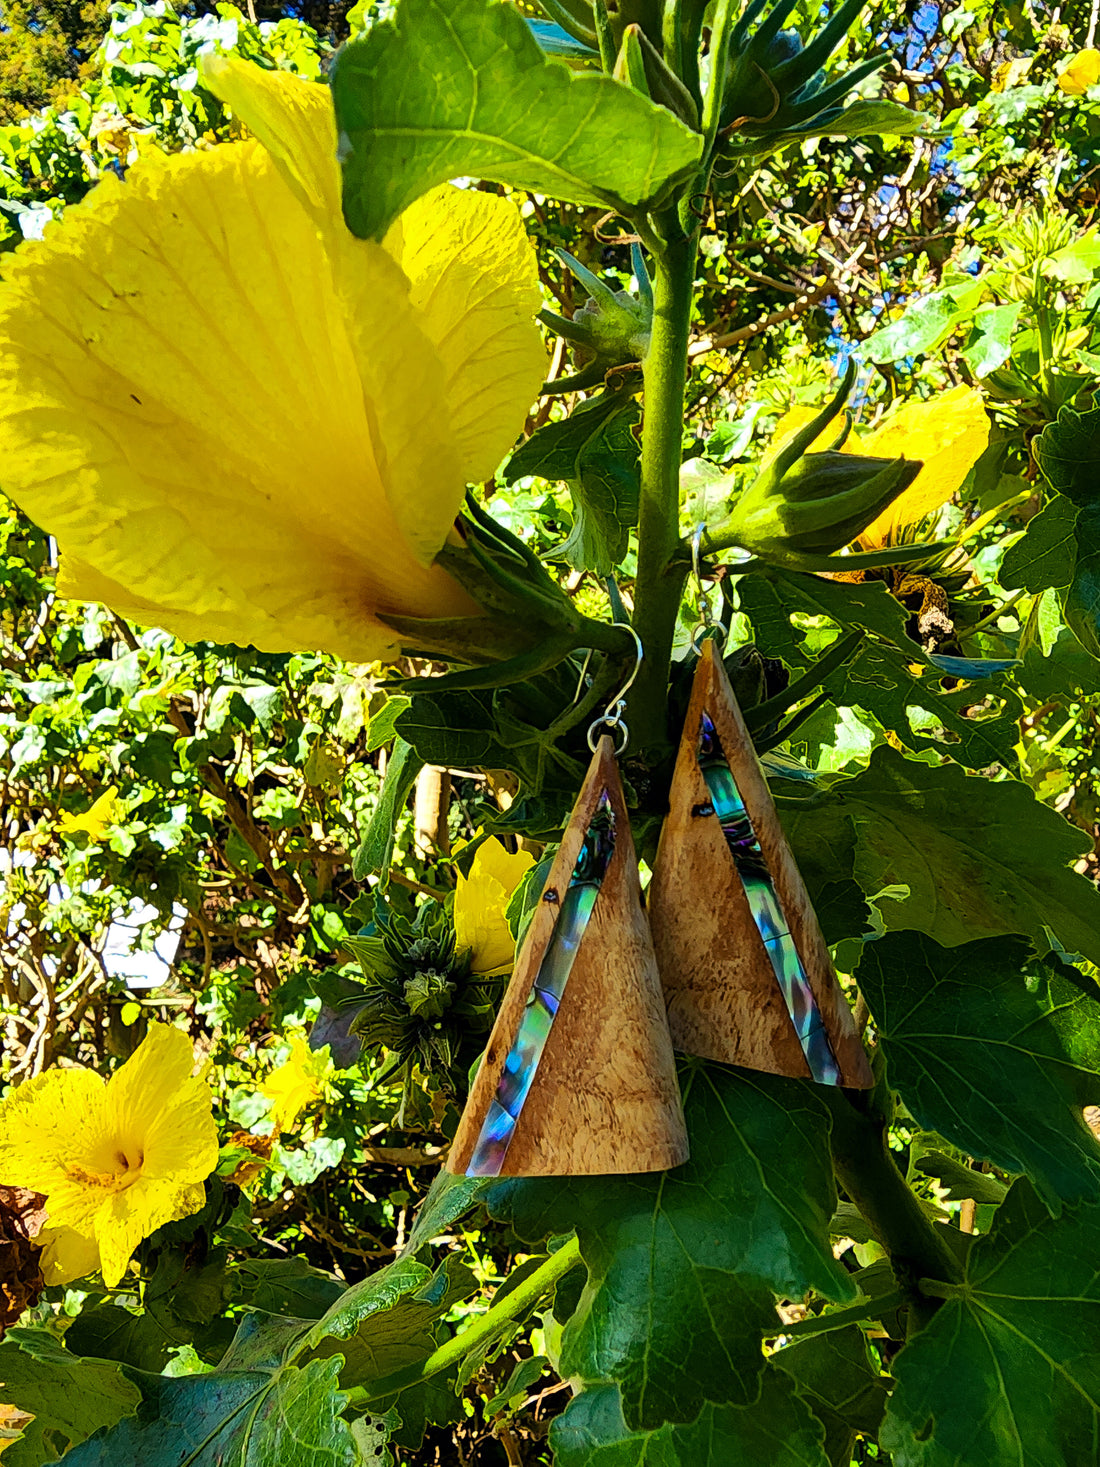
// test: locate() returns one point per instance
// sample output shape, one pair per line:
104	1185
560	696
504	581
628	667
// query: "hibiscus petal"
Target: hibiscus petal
44	1124
475	281
180	403
66	1255
125	1218
948	432
294	120
160	1113
481	900
474	291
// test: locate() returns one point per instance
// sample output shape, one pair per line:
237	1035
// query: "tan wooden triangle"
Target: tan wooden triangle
605	1098
724	1001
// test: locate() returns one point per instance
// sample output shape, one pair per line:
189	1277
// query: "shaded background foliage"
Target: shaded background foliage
216	884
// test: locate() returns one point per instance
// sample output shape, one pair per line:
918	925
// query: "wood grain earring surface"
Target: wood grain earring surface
746	971
603	1097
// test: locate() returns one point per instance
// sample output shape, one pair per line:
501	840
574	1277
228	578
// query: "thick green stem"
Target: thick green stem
917	1247
662	565
452	1351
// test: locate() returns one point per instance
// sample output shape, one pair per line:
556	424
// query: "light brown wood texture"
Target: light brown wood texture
605	1098
724	1002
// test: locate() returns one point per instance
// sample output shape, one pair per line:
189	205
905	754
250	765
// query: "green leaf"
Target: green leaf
880	678
778	1430
1007	1374
925	324
866	604
981	857
448	1199
1076	263
1080	600
960	1181
451	88
286	1286
875	117
1046	552
990	344
683	1265
881	681
376	851
522	1378
387	1322
595	452
231	1418
841	1384
382	727
69	1397
994	1049
1068	452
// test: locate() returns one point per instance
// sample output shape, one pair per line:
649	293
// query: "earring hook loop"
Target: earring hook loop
706	620
611	719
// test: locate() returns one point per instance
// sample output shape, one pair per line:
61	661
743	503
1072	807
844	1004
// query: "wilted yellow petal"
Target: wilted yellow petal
1082	72
948	433
475	280
182	405
296	1083
481	900
107	810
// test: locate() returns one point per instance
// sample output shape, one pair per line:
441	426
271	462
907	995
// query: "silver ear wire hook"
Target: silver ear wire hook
703	625
611	719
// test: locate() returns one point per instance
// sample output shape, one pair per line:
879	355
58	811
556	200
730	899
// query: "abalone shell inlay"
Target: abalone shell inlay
752	867
517	1076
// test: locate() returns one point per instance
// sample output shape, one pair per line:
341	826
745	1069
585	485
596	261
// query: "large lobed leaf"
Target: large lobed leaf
778	1430
1068	452
980	857
1008	1372
890	675
451	88
683	1265
235	1418
994	1049
69	1398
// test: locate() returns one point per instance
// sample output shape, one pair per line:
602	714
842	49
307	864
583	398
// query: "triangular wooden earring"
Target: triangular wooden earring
746	971
579	1076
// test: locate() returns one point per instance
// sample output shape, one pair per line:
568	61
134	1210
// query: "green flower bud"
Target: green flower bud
641	66
805	505
418	1002
613	326
776	84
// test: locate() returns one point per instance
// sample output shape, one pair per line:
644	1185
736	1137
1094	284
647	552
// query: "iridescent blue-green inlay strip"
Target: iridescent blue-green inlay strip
514	1085
752	867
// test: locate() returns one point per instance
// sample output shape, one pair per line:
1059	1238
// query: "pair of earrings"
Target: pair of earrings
727	962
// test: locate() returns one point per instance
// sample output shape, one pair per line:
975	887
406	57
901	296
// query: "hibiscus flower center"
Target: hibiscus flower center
123	1170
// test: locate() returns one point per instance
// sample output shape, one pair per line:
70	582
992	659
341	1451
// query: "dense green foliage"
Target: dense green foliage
248	815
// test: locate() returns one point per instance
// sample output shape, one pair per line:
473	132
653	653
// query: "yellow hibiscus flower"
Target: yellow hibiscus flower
947	433
481	900
1082	72
115	1159
104	812
241	422
296	1084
